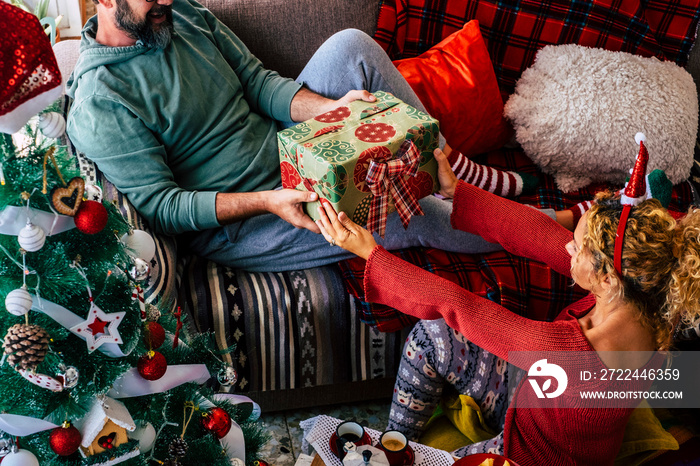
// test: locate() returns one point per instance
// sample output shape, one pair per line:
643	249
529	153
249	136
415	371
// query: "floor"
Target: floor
284	449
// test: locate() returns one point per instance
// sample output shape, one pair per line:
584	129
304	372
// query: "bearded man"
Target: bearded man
182	119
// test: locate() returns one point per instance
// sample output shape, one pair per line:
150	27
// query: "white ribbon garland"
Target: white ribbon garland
131	384
233	442
13	219
254	408
19	426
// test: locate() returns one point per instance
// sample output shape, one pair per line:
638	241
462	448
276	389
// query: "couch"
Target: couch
302	338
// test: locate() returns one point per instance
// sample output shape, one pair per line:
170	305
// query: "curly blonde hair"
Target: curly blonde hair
660	262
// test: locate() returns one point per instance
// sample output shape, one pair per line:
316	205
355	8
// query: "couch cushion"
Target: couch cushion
66	52
577	121
284	34
286	330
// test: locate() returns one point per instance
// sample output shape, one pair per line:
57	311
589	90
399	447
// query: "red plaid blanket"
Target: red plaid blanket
526	287
514	31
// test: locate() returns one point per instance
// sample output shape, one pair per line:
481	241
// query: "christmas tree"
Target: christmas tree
91	373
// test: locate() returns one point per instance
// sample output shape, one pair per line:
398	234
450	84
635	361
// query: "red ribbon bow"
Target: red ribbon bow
386	180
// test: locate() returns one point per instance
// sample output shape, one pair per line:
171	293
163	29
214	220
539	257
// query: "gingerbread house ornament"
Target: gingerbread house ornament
104	428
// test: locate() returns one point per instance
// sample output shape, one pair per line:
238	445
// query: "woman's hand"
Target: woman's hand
447	178
343	232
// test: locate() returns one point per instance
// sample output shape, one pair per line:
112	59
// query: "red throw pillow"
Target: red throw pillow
456	83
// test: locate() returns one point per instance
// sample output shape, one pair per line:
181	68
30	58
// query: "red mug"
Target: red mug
394	444
349	431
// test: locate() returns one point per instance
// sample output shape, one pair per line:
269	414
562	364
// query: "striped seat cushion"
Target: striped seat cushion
288	329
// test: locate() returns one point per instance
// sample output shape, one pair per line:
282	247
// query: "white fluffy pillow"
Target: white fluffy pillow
577	109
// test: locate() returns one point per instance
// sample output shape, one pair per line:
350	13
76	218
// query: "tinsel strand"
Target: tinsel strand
186	420
47	155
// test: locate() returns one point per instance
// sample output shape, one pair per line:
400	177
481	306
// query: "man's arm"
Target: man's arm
285	203
307	104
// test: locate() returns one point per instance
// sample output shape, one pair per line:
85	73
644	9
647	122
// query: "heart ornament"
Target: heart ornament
67	200
107	441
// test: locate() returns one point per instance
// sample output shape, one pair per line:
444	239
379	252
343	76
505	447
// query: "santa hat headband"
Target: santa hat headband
29	76
635	193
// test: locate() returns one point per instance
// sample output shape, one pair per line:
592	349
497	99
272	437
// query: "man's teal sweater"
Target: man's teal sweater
172	127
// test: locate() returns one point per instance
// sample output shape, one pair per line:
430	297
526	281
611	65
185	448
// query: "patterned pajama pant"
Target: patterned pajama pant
435	357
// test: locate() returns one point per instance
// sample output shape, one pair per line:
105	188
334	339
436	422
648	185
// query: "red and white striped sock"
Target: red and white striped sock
502	183
580	209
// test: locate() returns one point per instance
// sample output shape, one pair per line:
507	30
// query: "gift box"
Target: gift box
367	159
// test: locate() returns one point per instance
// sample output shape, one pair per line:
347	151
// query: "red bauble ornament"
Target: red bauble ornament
153	335
91	217
65	440
217	421
152	366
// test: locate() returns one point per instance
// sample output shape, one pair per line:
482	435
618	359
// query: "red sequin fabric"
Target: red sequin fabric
27	64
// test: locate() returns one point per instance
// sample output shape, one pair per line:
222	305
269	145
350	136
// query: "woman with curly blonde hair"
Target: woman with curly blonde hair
643	277
660	277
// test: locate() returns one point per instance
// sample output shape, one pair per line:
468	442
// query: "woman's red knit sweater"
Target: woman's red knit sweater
557	435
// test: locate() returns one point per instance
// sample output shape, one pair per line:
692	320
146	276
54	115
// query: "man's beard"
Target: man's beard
151	35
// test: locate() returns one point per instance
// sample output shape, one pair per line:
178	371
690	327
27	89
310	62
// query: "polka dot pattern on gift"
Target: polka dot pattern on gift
375	132
339	114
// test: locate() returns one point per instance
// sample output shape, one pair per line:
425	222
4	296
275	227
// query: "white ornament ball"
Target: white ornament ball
140	244
237	462
639	137
31	238
20	458
18	302
52	124
146	435
93	193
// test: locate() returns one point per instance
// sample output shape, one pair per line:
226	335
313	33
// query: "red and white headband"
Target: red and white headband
634	193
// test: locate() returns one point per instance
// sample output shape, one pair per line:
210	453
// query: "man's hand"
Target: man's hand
288	204
350	97
307	104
